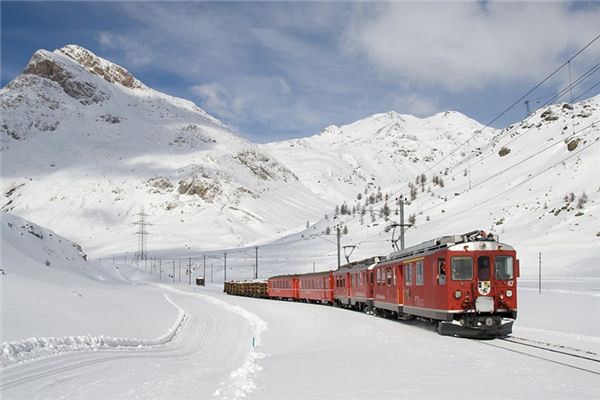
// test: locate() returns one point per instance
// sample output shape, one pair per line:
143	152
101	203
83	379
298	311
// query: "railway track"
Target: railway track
580	359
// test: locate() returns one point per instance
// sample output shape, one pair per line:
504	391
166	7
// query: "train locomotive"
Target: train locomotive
465	284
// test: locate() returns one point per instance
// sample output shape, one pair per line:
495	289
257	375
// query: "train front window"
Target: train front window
462	268
483	268
504	268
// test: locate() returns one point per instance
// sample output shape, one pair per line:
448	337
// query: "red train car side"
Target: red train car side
283	287
467	284
316	287
353	284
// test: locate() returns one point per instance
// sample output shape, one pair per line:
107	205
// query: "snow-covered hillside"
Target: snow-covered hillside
50	289
85	145
383	150
534	183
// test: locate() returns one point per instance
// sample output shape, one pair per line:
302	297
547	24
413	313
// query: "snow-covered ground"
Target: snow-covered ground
166	340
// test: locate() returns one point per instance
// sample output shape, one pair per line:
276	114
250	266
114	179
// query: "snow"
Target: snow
33	348
207	344
73	327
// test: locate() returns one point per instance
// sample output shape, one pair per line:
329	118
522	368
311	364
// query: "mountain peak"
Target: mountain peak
107	70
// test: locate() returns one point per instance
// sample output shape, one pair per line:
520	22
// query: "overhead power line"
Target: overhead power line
516	102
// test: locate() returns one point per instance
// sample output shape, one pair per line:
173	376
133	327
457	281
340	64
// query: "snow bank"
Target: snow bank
33	348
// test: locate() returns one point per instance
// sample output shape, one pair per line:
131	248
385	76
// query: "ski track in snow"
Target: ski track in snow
242	379
34	348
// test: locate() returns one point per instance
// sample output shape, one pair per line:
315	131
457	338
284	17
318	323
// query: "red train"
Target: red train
467	284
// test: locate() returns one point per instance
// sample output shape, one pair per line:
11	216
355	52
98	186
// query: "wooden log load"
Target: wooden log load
254	288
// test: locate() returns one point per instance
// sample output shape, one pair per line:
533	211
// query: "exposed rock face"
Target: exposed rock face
44	67
205	190
110	72
263	166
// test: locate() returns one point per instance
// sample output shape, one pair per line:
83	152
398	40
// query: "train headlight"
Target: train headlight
458	294
509	293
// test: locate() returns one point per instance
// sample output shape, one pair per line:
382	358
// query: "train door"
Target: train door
390	288
399	283
439	277
419	293
484	301
408	283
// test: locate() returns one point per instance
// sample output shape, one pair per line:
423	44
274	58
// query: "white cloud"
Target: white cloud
415	104
217	99
136	54
464	45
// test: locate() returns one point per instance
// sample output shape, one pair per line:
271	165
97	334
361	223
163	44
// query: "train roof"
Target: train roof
474	240
360	264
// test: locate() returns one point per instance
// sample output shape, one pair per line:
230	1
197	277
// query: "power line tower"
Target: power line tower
142	251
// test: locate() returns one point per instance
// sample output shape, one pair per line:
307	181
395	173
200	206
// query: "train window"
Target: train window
394	276
420	273
483	268
389	276
408	270
379	277
504	267
441	275
462	268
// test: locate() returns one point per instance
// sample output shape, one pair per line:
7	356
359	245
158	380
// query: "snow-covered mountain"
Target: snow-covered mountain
535	183
383	150
85	145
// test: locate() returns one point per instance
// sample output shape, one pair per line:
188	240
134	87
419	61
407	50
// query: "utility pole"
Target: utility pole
224	267
256	270
338	244
160	269
401	225
313	267
204	268
190	271
173	271
526	102
179	271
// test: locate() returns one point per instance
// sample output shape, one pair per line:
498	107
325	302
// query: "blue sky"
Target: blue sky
276	70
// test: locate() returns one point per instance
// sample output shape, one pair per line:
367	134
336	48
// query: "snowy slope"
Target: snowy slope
534	183
383	150
85	145
49	289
